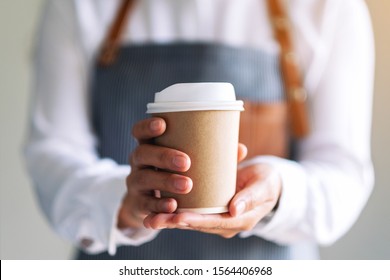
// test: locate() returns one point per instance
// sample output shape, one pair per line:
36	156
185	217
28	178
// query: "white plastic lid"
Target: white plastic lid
195	97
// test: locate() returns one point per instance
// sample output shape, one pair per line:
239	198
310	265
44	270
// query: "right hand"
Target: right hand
147	177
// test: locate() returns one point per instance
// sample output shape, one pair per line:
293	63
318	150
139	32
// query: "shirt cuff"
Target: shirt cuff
129	236
292	202
113	196
110	192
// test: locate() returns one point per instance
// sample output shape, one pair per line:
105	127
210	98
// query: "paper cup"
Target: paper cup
203	122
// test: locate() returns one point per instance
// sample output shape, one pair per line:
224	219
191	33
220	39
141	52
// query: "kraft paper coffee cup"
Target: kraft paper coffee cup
203	122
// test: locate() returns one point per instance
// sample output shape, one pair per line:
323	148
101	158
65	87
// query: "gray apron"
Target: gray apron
119	96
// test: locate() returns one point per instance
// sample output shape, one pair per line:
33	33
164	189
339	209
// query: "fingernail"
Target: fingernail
181	184
180	161
240	208
155	125
167	208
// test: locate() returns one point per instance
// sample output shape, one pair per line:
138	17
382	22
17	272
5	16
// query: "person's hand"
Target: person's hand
146	176
258	190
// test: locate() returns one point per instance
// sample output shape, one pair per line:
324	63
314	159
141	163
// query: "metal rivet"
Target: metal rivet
299	94
291	57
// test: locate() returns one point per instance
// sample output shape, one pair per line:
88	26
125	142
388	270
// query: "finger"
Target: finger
188	221
242	152
159	221
146	129
226	233
149	204
150	180
161	157
221	224
209	221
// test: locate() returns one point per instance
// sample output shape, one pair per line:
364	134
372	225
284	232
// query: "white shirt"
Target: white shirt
323	192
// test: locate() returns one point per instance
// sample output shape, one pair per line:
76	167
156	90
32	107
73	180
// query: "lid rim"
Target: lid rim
166	107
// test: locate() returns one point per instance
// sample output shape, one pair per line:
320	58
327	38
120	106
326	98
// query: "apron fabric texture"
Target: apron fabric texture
119	95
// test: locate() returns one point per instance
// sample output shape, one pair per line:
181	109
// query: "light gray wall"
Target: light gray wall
24	234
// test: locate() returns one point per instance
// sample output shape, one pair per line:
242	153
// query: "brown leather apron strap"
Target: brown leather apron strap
294	90
111	42
295	93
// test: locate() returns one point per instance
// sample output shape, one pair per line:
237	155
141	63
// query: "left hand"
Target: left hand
258	190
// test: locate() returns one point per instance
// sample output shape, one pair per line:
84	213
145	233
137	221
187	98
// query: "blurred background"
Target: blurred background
24	234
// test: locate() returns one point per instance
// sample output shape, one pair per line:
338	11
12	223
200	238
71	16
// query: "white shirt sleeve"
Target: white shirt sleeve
324	192
79	193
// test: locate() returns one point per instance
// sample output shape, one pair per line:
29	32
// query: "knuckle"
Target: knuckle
165	157
131	185
140	179
223	225
134	156
129	181
159	206
137	155
167	182
140	129
144	206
